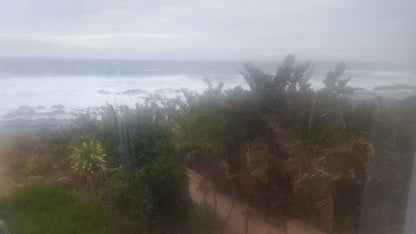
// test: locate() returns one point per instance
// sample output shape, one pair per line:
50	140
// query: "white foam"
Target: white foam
83	91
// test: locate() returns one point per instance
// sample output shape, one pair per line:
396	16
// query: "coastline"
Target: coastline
26	118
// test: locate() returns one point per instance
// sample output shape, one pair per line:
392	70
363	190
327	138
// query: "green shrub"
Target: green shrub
41	208
89	160
116	193
36	165
202	220
151	183
158	194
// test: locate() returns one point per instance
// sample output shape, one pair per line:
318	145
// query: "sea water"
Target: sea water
61	88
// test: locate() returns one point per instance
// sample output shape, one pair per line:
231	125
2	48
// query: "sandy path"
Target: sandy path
236	223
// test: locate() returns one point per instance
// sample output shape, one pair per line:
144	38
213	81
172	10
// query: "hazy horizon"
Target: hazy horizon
276	62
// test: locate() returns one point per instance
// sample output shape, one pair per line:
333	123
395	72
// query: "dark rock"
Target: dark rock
394	87
21	111
135	91
58	107
101	91
56	112
165	91
65	181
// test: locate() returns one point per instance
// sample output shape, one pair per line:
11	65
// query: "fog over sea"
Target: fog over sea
61	88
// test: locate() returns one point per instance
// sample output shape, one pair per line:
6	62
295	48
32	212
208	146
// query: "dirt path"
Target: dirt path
236	223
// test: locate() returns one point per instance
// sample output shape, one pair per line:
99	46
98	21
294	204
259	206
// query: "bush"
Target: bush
151	183
162	190
202	220
36	165
116	193
41	208
89	160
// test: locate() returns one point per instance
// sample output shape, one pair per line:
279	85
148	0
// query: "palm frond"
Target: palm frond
324	203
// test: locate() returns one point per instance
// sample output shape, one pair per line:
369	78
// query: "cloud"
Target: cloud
215	29
88	40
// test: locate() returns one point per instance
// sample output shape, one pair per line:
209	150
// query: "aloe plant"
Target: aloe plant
89	161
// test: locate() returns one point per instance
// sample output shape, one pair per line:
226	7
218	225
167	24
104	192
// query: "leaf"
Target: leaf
324	203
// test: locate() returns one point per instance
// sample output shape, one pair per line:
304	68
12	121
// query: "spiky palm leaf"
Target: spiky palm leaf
323	200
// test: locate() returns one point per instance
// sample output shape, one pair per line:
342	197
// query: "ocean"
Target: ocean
61	88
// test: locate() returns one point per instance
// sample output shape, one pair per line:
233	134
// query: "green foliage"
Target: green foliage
89	160
333	82
275	93
162	191
151	183
36	165
41	208
116	193
216	113
393	140
202	220
108	134
34	153
204	129
284	143
290	151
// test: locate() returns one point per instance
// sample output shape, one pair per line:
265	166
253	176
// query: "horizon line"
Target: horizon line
212	60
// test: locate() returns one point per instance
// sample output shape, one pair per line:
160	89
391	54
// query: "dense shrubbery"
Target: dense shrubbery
130	159
37	153
289	148
393	140
142	177
43	209
149	169
286	149
293	151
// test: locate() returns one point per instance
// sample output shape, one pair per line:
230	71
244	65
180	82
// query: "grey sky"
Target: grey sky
363	30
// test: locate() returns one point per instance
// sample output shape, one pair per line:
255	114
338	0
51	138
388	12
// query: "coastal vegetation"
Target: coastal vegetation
40	208
289	151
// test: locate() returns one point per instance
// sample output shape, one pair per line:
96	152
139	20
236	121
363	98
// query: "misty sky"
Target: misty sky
354	30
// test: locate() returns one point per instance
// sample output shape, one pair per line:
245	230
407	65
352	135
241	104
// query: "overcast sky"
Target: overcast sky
353	30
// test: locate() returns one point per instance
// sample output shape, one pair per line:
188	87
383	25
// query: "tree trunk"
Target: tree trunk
214	195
